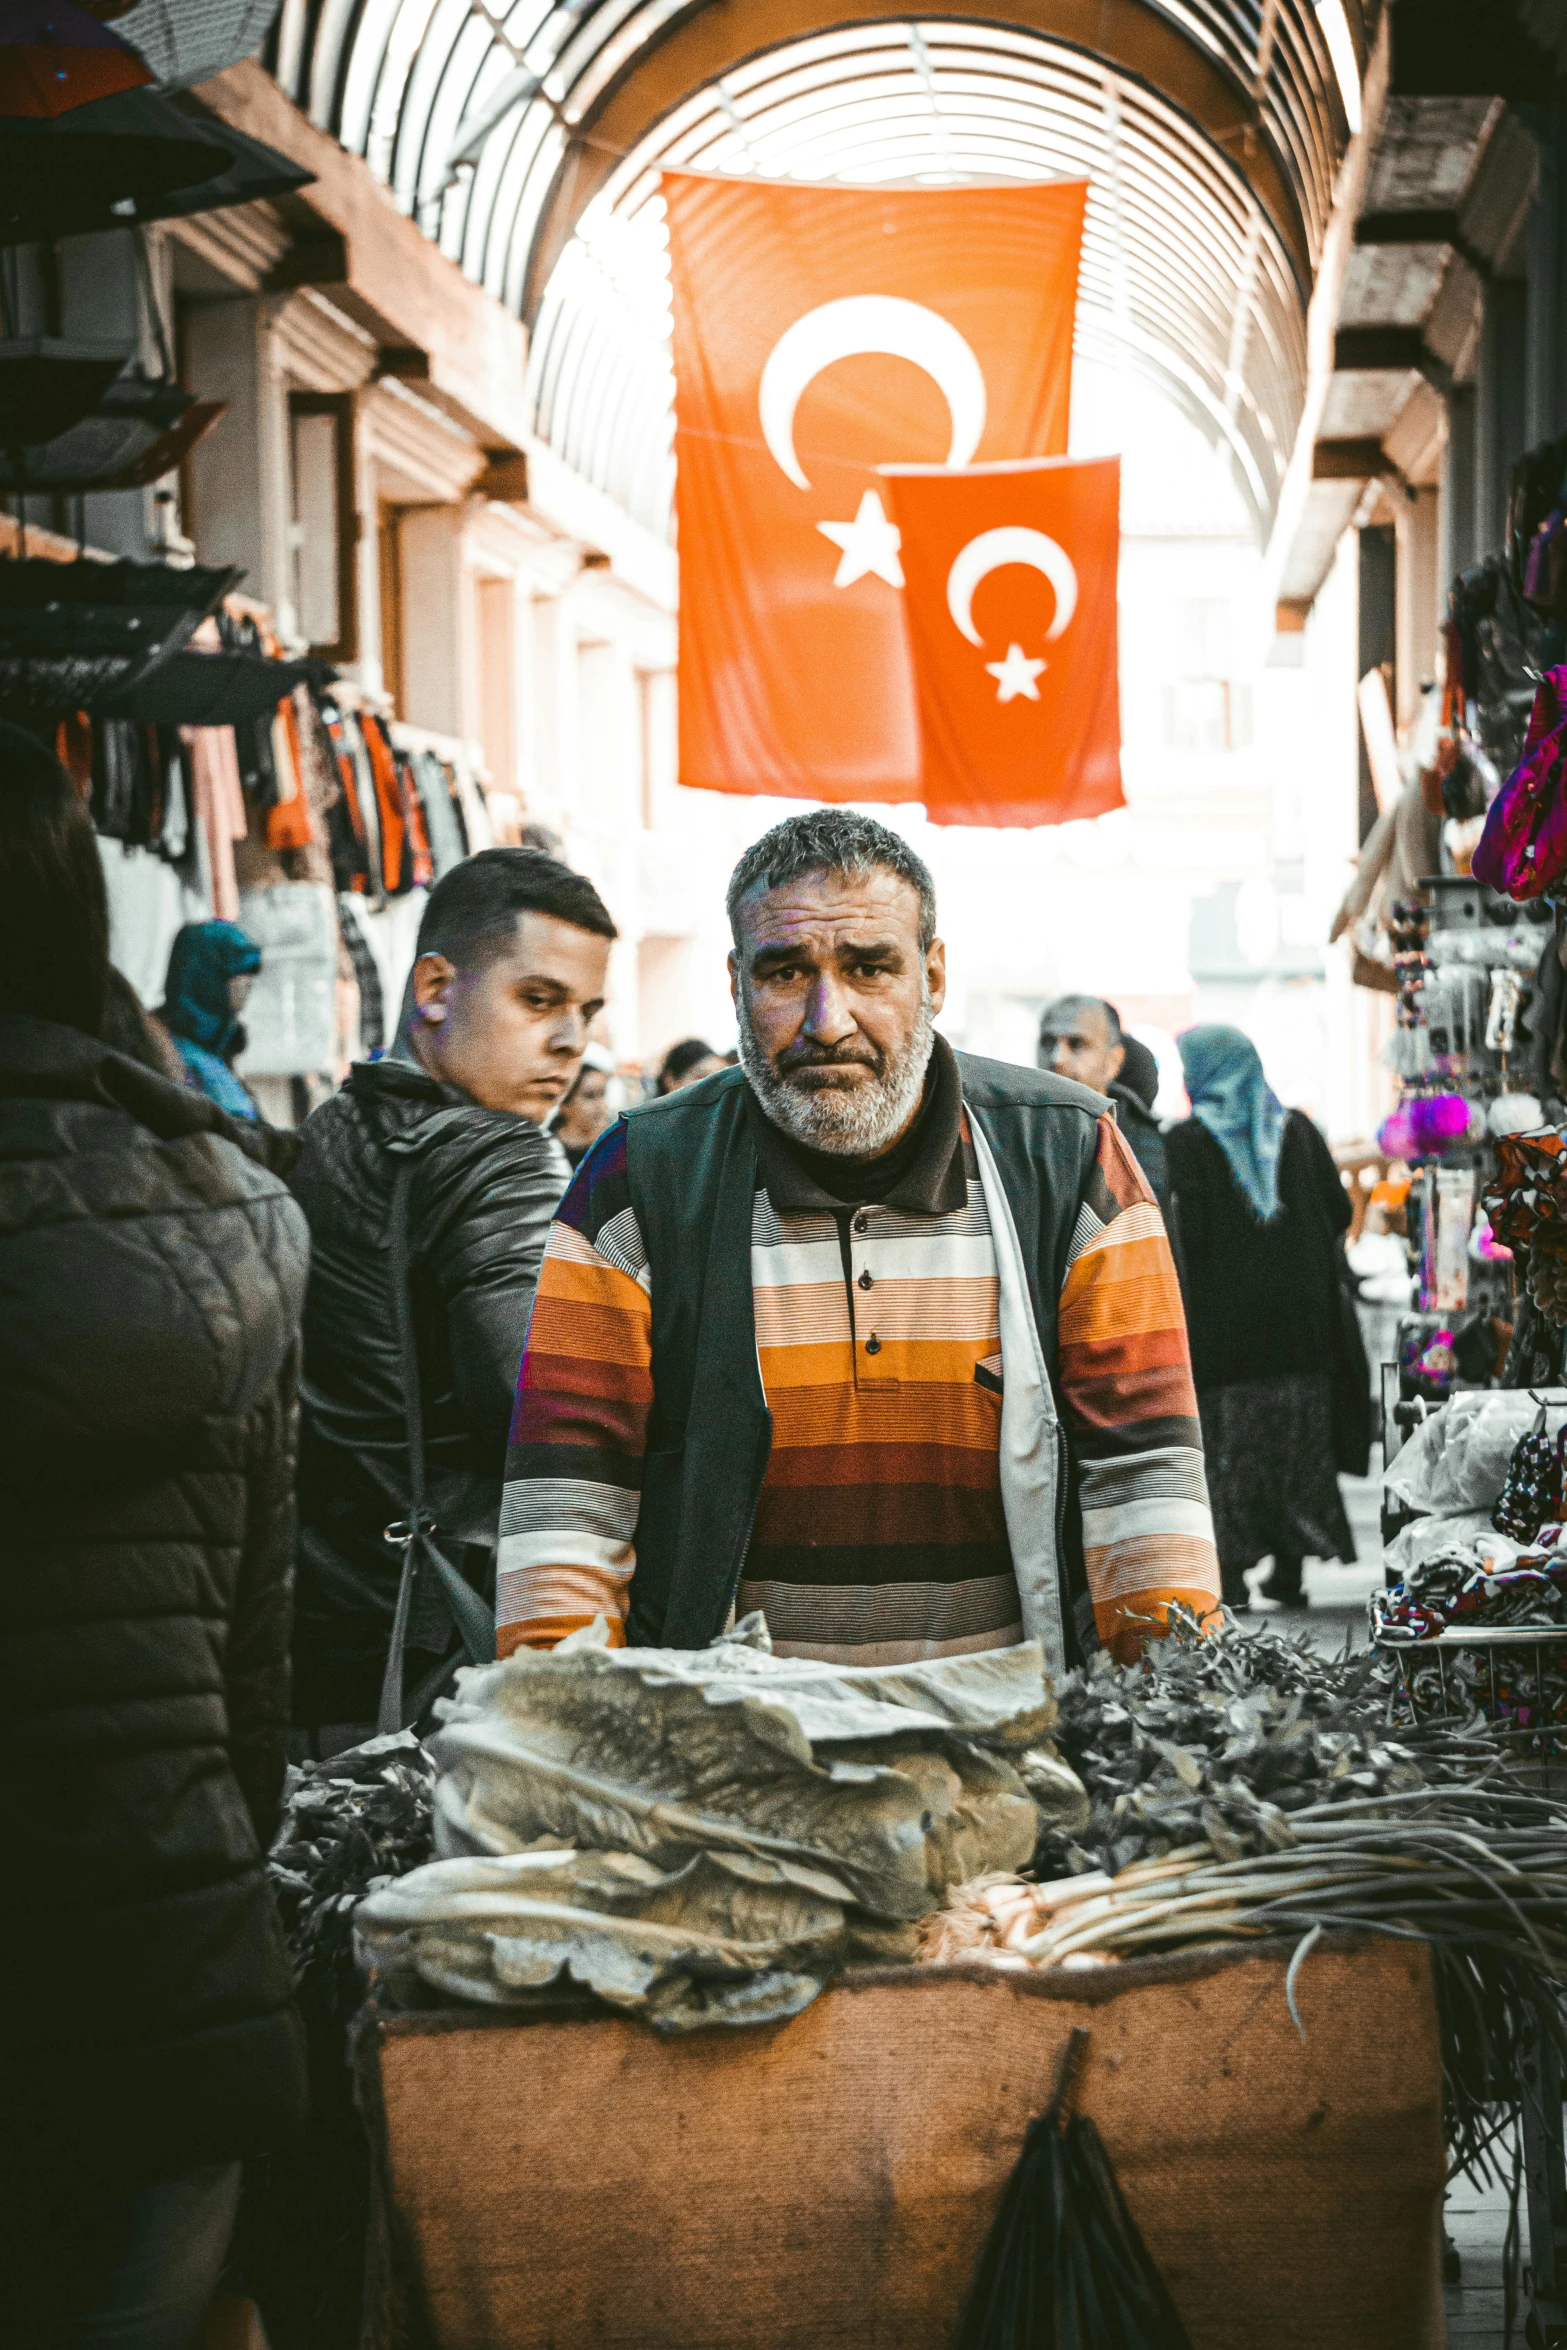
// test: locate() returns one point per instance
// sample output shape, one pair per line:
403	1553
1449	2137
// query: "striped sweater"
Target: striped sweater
880	1535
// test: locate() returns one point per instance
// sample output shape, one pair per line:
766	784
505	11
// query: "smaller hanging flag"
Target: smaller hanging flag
1010	606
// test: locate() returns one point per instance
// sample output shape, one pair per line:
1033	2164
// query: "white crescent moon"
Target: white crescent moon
869	322
1011	544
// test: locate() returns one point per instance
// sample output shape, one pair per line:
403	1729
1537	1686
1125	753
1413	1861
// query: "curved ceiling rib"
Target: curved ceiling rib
1184	281
495	121
1212	130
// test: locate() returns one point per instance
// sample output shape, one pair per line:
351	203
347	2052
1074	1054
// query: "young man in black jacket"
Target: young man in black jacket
509	974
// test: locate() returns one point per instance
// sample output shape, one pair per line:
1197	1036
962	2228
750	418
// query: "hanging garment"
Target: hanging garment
369	804
220	808
396	848
359	851
418	860
73	747
367	976
1523	849
1402	847
174	837
442	825
478	831
288	818
113	777
335	792
459	807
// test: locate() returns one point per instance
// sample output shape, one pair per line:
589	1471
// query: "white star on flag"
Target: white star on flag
870	543
1015	675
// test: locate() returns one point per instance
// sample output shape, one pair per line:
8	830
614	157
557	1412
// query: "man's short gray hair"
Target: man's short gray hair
831	840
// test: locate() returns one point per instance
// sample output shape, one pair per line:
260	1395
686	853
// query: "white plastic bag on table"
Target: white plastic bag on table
1458	1460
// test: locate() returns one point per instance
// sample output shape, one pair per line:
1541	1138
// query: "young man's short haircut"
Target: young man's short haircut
472	911
831	840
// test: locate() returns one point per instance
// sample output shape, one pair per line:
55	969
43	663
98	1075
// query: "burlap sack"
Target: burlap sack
827	2183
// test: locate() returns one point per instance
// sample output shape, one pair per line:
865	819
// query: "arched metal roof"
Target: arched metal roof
1184	279
1212	130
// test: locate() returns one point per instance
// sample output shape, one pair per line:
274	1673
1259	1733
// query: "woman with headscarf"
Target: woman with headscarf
212	968
1261	1214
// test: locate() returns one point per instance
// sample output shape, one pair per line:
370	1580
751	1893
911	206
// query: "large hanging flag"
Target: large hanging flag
1010	600
819	333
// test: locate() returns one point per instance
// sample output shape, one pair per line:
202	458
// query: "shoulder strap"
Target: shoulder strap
413	1535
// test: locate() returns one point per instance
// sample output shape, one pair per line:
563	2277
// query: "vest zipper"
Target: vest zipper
743	1553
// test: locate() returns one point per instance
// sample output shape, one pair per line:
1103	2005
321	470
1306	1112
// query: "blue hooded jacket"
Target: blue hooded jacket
196	1011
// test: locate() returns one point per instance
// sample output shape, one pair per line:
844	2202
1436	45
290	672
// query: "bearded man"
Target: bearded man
881	1339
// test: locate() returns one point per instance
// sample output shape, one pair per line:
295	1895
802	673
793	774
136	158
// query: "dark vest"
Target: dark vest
691	1168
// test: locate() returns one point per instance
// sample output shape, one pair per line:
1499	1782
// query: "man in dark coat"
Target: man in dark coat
151	1282
510	971
1081	1037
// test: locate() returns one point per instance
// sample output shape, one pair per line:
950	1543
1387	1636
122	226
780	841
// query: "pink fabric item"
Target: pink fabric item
220	808
1523	849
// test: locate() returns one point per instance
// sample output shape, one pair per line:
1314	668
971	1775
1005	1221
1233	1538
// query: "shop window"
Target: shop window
325	523
1207	714
1200	636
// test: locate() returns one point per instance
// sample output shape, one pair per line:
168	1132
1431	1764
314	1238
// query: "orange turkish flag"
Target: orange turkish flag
1011	610
819	333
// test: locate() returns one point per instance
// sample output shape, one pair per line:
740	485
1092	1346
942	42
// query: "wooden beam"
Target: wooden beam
1461	49
504	481
1360	460
318	260
400	285
408	366
1388	350
1407	228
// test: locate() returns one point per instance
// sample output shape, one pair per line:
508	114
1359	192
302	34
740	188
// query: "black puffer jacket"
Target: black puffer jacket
486	1186
151	1282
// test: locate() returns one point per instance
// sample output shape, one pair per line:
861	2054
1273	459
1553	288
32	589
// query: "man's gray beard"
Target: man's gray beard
855	1121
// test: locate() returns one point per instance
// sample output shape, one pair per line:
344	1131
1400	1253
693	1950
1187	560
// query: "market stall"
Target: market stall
1474	1623
737	1982
1468	935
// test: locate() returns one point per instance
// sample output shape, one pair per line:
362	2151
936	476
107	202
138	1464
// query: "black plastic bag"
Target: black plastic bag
1064	2267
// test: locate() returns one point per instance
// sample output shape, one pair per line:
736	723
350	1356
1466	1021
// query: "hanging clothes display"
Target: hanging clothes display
220	809
278	807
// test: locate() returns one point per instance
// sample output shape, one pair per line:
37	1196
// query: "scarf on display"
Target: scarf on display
1231	1097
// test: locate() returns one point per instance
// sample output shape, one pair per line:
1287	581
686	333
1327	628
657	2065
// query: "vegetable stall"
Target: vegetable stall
741	1999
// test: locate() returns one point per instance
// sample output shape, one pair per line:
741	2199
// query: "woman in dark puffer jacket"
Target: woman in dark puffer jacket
152	1275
